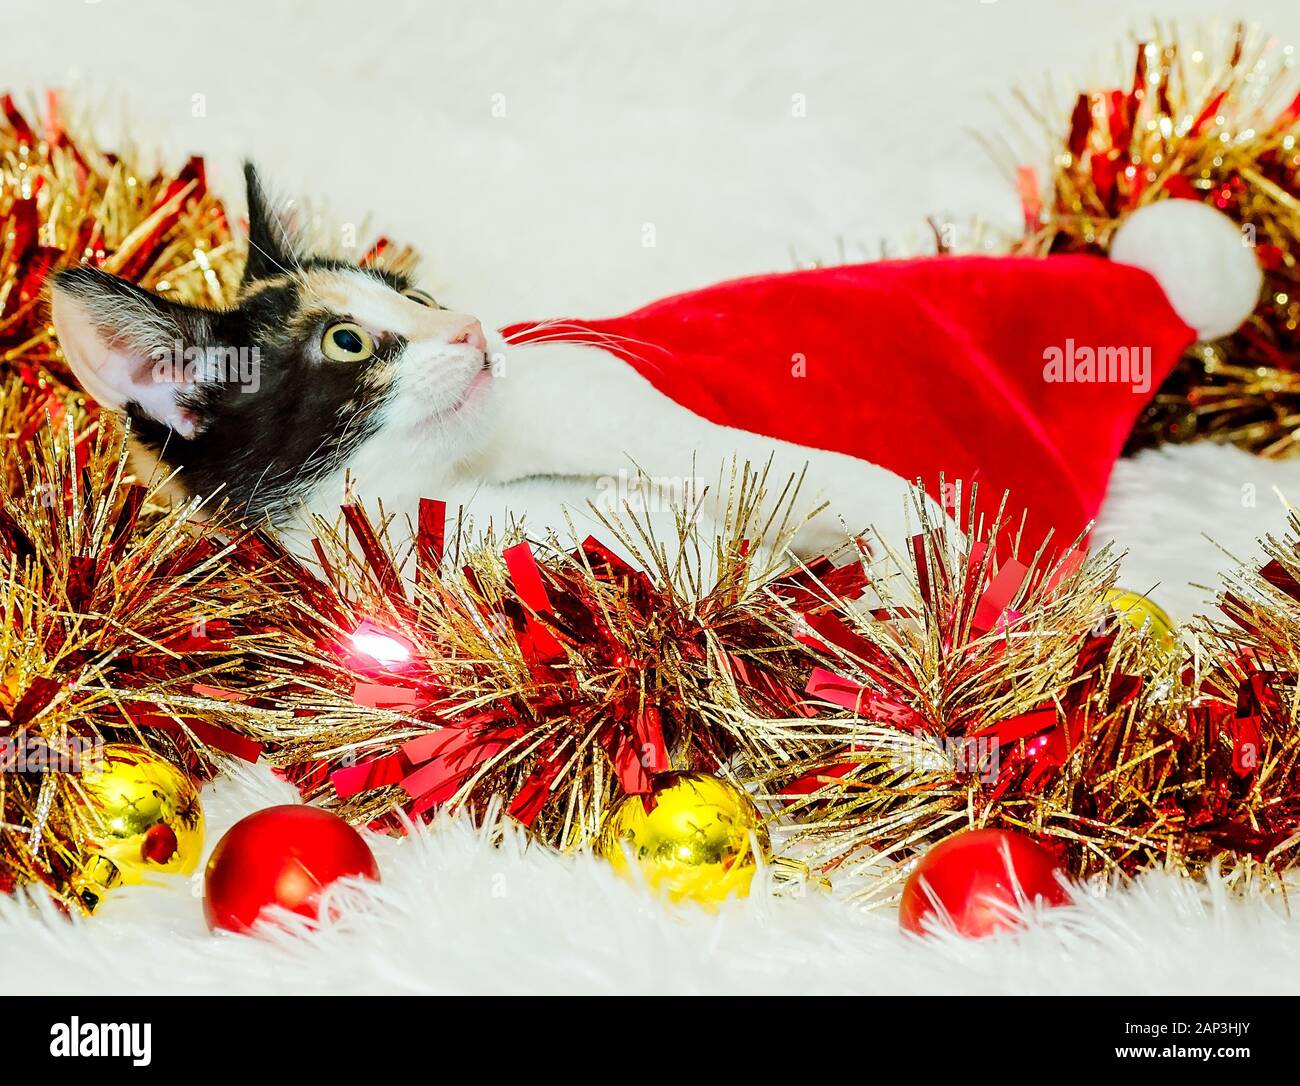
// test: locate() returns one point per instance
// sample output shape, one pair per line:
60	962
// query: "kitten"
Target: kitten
325	376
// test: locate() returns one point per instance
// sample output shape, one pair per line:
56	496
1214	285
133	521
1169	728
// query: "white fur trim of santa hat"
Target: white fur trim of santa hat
1204	262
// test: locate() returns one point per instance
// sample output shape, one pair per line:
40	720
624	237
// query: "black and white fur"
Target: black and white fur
529	434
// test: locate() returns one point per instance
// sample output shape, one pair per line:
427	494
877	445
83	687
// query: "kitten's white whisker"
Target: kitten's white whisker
598	337
257	486
608	343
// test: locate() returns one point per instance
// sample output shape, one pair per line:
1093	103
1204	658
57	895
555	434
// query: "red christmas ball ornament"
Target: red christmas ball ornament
280	856
978	881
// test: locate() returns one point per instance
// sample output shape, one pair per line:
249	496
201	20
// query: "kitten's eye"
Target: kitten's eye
421	297
347	342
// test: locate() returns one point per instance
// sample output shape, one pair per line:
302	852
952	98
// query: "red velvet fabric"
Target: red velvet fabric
921	366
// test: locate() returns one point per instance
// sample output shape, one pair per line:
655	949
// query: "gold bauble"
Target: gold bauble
143	819
1140	612
696	843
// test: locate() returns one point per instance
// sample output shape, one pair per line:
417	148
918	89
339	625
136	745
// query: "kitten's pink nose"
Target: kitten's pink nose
471	332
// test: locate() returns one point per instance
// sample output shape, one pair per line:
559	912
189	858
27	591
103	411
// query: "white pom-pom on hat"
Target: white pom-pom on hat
1202	260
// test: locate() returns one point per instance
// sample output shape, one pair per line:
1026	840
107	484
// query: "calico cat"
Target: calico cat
326	379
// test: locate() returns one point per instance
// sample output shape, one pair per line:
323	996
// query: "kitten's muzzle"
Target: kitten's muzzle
470	333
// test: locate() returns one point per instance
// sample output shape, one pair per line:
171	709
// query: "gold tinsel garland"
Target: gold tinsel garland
1125	754
119	625
1212	120
121	622
556	680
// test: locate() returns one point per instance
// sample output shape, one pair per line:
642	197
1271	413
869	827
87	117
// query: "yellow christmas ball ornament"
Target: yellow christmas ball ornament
697	842
1142	613
142	818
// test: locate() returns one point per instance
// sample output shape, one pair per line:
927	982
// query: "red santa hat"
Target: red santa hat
1021	374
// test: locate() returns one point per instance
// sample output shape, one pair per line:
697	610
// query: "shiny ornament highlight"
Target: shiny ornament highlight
281	856
697	843
979	882
143	819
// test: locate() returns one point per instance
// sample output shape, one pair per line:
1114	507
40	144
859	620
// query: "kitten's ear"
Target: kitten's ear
127	346
272	237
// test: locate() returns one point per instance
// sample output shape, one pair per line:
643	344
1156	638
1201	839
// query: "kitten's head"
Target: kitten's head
317	360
